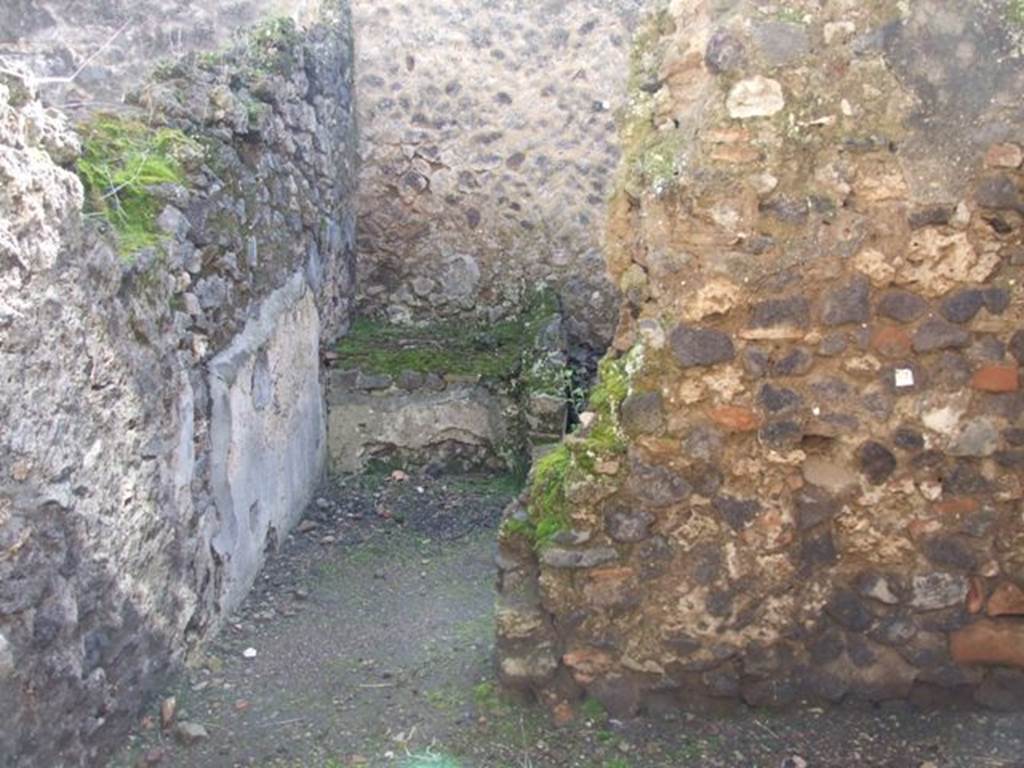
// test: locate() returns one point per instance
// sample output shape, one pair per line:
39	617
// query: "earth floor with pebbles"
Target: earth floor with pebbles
367	641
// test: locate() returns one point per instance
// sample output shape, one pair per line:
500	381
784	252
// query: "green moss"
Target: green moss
575	459
1015	12
458	348
548	509
121	161
462	348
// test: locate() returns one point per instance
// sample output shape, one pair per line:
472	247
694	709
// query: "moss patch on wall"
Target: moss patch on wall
491	350
576	459
122	160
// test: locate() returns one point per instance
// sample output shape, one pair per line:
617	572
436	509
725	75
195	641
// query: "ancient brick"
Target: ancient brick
735	418
891	342
997	378
989	642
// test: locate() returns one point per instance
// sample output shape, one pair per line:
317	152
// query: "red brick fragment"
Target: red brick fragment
735	418
997	378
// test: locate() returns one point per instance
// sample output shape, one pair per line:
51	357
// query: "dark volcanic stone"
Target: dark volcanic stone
952	370
894	630
848	303
849	611
988	349
833	344
908	439
818	550
813	506
725	52
1002	689
719	602
656	486
949	552
901	306
937	334
780	434
705	478
643	413
829	389
626	525
703	442
828	646
876	462
722	682
791	310
738	513
778	399
1016	346
1009	459
821	684
930	216
965	480
997	299
999	192
962	306
706	564
756	361
619	695
1014	436
796	362
701	346
787	209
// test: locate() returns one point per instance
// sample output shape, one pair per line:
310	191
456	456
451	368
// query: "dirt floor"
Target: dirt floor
368	642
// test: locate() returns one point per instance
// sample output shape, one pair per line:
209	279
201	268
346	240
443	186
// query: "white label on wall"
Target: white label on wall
904	377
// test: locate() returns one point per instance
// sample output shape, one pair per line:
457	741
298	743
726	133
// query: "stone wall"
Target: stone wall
802	478
104	41
163	407
489	148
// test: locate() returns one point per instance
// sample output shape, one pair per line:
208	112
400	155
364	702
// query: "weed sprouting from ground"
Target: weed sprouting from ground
122	160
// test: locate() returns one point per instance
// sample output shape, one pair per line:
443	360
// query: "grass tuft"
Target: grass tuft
121	161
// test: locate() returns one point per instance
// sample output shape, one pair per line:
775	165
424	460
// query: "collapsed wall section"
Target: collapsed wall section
803	477
160	365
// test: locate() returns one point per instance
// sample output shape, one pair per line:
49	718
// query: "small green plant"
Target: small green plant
485	695
548	508
594	711
121	161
